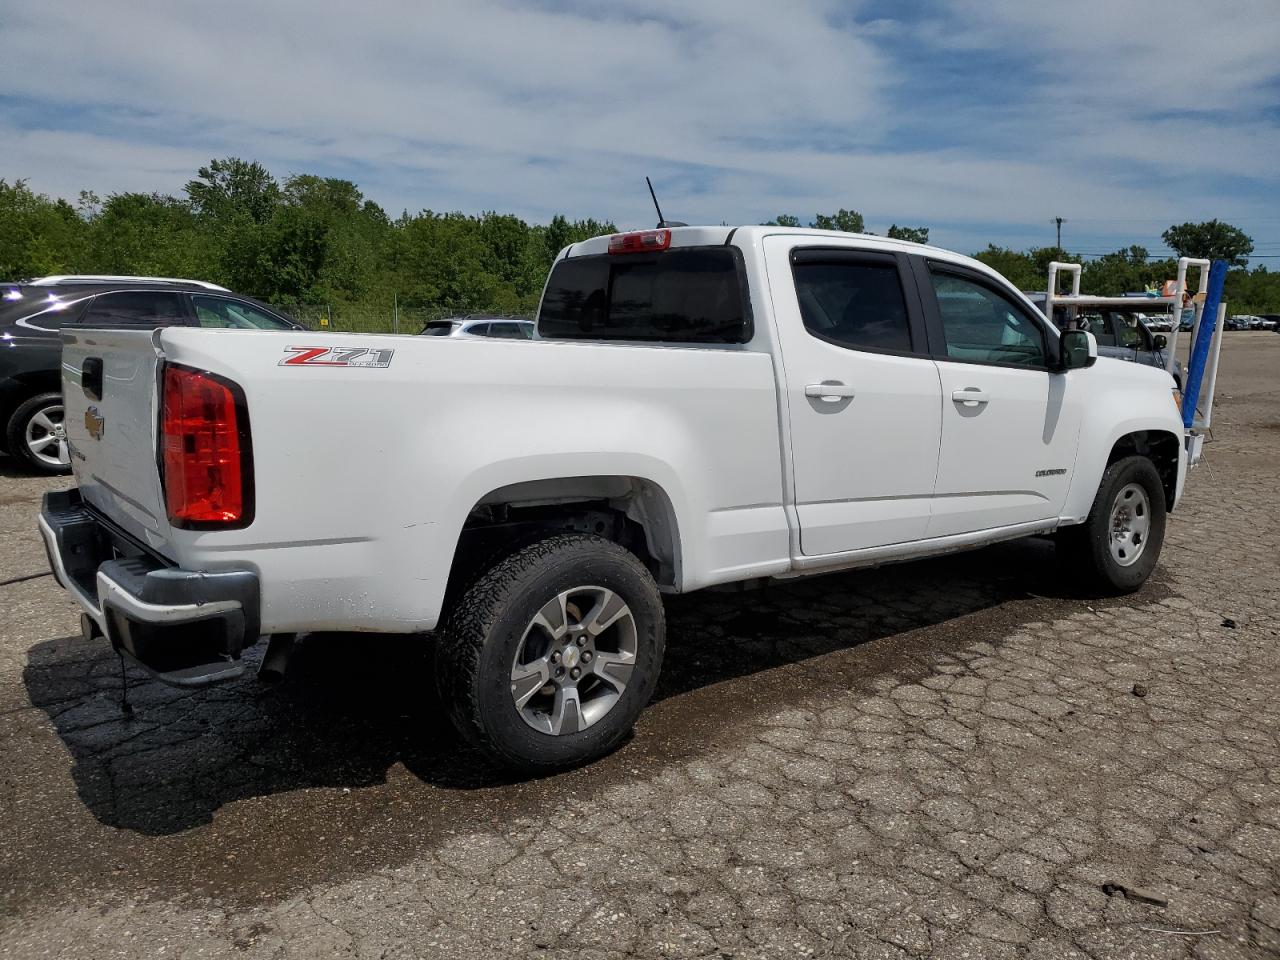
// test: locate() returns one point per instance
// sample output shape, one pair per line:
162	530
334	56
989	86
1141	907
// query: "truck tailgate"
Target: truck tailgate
109	391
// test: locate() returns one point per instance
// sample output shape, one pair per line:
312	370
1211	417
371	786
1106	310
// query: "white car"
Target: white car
703	406
480	325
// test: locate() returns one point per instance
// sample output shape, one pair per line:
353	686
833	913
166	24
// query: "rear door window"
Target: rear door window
855	303
683	295
136	308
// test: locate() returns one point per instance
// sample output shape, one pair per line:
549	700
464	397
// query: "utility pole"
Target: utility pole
1059	221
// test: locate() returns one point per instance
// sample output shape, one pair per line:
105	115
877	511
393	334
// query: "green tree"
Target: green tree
38	235
1211	239
912	234
782	220
230	187
148	234
847	221
348	231
1253	291
1018	268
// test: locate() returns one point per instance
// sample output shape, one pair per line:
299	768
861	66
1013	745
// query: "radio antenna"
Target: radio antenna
662	221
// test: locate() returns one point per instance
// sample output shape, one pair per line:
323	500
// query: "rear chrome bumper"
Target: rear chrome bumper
184	627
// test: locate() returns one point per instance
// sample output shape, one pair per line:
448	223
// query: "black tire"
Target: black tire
481	636
1086	549
16	433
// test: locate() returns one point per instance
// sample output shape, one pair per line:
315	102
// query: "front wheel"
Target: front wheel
546	660
1117	547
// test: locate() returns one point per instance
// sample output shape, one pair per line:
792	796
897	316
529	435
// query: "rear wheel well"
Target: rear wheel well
1161	448
631	511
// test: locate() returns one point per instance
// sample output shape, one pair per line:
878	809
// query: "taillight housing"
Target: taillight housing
643	241
206	461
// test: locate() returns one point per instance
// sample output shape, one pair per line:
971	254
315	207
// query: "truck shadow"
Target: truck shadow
343	717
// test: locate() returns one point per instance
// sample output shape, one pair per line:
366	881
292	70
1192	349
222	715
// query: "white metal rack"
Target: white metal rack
1204	409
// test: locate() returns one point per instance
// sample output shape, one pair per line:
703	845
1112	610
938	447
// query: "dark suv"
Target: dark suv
33	312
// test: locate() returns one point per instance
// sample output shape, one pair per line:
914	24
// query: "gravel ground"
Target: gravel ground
952	758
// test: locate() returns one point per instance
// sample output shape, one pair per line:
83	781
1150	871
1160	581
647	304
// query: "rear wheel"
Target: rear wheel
546	660
37	436
1118	546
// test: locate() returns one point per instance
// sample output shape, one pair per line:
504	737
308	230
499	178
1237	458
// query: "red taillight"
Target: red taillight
204	450
645	241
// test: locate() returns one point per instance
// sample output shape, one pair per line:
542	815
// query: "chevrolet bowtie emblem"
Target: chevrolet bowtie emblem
94	422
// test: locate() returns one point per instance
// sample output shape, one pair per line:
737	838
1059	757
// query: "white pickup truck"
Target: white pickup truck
701	406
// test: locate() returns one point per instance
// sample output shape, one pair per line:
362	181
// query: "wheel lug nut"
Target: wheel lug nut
555	657
586	656
582	641
575	673
559	671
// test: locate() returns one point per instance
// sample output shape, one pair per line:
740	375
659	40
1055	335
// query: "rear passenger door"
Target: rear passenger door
862	394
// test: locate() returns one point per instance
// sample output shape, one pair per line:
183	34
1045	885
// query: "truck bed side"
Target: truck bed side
365	476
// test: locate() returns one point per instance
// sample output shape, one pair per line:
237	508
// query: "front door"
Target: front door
1009	424
862	394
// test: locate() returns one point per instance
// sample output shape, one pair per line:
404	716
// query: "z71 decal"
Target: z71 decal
336	357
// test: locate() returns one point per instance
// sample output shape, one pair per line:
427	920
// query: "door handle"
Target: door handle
832	391
971	396
91	377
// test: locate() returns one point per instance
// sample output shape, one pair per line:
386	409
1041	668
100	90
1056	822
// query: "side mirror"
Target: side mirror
1079	349
1160	340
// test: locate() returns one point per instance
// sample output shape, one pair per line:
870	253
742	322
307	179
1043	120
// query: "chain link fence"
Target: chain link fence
364	318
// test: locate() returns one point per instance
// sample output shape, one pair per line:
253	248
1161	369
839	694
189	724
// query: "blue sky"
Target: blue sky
982	119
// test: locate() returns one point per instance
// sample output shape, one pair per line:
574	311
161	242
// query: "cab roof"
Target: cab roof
748	236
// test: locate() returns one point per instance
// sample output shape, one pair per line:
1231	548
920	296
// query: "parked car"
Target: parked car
1275	320
1120	332
1237	322
703	405
33	312
475	325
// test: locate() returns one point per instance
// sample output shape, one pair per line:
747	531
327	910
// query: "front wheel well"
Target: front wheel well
633	512
1161	448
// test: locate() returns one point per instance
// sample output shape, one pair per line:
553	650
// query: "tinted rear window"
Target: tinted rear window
690	295
854	304
135	308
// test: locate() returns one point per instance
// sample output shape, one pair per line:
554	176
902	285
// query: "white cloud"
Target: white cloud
740	109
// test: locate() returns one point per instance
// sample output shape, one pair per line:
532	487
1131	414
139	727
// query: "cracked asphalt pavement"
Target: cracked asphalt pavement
952	758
